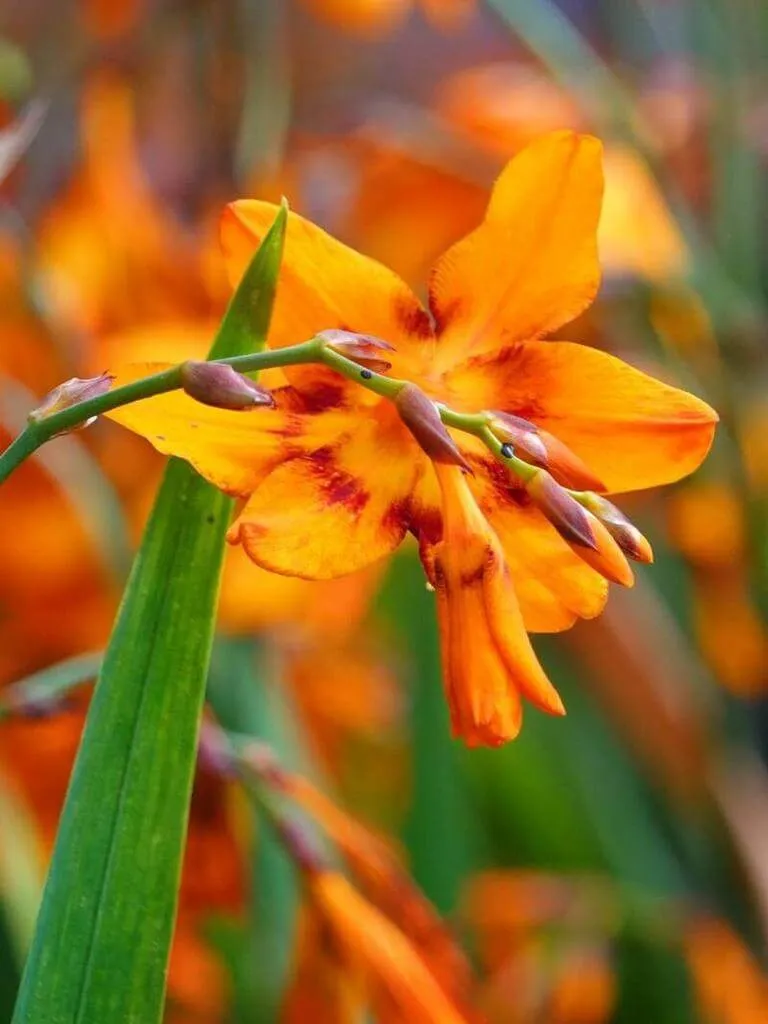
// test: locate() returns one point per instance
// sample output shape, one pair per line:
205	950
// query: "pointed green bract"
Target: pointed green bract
101	944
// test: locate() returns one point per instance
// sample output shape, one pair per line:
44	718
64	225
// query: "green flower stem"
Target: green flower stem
475	423
316	350
36	434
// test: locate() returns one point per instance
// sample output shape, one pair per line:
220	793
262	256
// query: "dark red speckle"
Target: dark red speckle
414	320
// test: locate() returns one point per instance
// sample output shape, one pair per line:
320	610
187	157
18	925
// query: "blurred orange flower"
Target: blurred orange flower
730	986
104	246
318	507
397	980
542	944
387	885
440	161
707	523
372	17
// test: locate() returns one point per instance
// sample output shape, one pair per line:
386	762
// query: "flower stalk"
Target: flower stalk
488	426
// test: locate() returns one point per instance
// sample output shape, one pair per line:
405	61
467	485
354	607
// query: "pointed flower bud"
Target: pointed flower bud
624	532
420	415
522	435
364	349
72	392
607	558
219	385
540	448
567	516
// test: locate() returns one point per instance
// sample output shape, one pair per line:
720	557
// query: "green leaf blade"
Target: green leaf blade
104	931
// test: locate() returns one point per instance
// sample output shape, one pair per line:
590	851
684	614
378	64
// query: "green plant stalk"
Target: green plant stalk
104	930
37	433
129	792
41	691
316	350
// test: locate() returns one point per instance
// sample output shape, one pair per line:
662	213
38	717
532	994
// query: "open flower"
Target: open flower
334	479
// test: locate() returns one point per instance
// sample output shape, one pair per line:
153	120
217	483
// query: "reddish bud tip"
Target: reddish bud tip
609	560
564	512
420	415
72	392
219	385
624	532
522	435
364	349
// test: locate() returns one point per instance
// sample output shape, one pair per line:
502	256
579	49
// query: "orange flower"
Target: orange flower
109	253
500	107
542	944
372	17
396	977
318	504
730	986
383	880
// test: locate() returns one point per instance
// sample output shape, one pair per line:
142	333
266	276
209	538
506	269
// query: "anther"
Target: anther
366	374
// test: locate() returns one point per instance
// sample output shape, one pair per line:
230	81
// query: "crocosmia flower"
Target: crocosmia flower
333	477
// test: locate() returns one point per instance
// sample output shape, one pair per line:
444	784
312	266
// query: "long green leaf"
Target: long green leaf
101	944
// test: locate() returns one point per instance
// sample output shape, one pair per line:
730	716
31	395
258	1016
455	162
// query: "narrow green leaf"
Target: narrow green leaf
104	930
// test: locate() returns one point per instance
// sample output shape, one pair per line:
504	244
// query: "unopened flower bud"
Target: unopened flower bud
567	516
420	415
522	435
219	385
72	392
607	558
624	532
540	448
364	349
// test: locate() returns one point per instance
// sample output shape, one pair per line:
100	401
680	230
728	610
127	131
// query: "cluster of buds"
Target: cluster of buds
558	482
584	532
581	516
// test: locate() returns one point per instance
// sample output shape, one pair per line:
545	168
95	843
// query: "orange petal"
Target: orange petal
233	450
450	15
332	511
532	264
554	587
366	17
485	709
378	870
632	430
390	964
324	986
607	558
488	660
323	284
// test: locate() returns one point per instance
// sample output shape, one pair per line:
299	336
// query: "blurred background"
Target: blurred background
608	867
